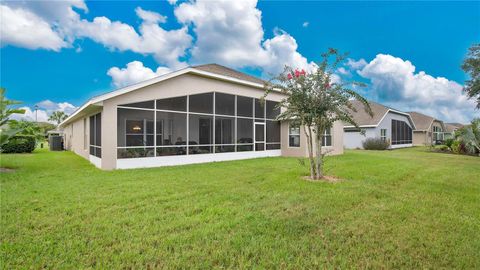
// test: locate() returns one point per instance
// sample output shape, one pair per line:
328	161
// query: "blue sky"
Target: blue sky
67	55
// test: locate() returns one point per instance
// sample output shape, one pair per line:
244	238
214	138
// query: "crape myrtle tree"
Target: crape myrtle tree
471	65
315	101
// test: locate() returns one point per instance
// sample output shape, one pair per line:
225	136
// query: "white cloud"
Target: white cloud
22	28
133	73
45	108
343	71
55	24
167	46
31	115
395	83
305	24
150	16
354	64
231	33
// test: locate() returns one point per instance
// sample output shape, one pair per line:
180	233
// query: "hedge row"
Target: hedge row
19	144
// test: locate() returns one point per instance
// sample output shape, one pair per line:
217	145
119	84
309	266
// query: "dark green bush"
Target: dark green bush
19	144
375	144
449	142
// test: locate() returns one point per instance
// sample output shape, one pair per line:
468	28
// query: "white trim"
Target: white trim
395	146
299	136
127	89
150	162
95	161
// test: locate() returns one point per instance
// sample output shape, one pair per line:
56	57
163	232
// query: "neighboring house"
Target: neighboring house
428	130
386	123
450	129
197	114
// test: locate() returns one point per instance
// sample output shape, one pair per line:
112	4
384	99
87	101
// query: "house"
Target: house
193	115
428	130
450	129
386	123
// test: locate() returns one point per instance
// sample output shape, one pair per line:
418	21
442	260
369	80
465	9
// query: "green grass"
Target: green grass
397	209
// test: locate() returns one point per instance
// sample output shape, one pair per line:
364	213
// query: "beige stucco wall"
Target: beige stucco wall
425	137
302	151
74	137
419	138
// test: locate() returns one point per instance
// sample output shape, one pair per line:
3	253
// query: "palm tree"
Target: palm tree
57	117
469	136
5	112
315	101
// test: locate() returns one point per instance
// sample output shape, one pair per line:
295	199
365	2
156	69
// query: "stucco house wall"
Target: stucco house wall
335	149
422	138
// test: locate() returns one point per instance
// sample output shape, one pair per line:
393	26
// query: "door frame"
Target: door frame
255	135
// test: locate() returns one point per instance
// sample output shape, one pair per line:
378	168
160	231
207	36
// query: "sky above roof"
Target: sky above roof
58	54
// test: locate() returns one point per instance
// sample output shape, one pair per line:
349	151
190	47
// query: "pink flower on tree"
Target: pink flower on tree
297	73
289	76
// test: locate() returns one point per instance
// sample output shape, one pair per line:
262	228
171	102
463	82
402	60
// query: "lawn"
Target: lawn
396	209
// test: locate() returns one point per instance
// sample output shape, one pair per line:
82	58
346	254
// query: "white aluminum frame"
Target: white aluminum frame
213	115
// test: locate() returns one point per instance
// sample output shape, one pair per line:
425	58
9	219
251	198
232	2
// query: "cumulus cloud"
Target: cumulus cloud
343	71
133	73
354	64
53	25
22	28
305	24
238	27
167	46
45	108
394	82
150	16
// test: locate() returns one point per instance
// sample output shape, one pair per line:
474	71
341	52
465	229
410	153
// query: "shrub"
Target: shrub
457	147
443	148
20	144
449	142
375	144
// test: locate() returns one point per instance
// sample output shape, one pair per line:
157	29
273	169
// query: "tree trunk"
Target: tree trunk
308	134
319	157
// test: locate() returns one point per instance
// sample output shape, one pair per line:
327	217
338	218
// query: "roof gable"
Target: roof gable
210	71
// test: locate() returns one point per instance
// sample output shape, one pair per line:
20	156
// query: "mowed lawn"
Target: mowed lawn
395	209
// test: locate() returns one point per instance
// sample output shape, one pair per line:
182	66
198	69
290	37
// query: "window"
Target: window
189	125
294	135
327	138
244	134
96	135
224	104
259	109
383	134
201	103
135	127
437	134
144	104
173	104
171	129
272	109
244	106
273	135
401	133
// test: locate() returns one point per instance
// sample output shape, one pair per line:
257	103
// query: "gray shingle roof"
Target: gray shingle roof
225	71
362	118
422	121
